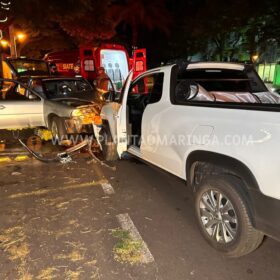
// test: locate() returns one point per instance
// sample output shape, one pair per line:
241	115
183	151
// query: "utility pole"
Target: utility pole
13	45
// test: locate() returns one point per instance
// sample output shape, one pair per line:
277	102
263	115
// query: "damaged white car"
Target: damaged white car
66	106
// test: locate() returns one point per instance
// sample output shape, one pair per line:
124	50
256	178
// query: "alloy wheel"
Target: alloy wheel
218	216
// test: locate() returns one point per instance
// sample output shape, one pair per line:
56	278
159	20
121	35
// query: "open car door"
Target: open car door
122	118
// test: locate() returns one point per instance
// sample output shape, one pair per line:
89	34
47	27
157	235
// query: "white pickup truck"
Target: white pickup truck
216	126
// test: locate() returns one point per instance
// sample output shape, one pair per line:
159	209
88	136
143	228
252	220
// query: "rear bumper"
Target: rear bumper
267	214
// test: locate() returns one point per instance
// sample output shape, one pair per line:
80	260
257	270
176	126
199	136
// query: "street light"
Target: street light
20	37
4	43
255	57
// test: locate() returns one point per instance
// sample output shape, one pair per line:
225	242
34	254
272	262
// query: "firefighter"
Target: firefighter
102	83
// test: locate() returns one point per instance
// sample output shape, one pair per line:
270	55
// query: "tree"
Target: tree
85	21
231	32
139	14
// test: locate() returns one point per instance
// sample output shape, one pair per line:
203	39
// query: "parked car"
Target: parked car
63	105
216	126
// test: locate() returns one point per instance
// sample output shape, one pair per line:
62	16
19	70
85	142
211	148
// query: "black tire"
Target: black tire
58	130
109	147
228	229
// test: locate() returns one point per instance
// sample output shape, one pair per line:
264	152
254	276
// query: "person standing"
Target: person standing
101	83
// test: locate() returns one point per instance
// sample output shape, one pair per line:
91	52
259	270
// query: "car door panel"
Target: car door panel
21	114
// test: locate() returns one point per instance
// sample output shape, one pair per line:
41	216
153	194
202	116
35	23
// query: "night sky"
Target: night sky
233	30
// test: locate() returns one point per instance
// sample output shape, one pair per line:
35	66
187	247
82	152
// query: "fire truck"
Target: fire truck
86	60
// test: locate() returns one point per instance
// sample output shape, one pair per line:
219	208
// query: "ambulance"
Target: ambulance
86	60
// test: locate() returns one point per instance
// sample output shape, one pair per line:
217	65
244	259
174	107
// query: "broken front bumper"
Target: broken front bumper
77	126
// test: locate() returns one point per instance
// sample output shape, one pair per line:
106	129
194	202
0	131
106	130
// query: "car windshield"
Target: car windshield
60	88
28	67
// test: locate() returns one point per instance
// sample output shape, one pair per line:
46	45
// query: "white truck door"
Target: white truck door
122	118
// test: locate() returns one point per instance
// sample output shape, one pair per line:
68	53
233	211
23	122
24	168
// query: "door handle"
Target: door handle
2	107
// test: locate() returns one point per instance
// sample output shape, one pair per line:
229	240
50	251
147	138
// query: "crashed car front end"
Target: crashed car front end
82	118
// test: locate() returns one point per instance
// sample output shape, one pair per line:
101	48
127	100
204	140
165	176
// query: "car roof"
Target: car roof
55	78
25	59
216	65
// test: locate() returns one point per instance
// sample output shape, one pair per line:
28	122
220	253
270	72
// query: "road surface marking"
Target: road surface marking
63	188
107	188
5	159
127	224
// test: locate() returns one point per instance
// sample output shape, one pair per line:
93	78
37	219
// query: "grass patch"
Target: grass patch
127	249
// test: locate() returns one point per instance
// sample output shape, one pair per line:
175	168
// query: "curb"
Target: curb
18	158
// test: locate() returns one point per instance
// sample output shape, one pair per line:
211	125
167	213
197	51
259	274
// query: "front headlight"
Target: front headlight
86	115
77	113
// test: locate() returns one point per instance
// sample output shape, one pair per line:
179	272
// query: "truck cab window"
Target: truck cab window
146	90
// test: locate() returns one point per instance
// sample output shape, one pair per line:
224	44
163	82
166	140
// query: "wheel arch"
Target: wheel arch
223	162
214	163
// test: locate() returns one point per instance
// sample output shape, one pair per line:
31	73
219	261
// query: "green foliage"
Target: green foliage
126	250
219	29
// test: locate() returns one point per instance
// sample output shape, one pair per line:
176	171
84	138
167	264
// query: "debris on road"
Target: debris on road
15	173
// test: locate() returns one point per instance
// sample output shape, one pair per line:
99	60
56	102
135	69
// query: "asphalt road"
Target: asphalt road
60	222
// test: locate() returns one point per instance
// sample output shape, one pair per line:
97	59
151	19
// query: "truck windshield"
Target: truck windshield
60	88
29	67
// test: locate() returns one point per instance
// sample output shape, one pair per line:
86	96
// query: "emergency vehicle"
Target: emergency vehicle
86	60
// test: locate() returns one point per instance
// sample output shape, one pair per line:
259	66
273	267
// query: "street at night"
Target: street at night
60	226
139	140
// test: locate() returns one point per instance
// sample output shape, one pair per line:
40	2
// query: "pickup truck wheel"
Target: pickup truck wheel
109	147
58	131
224	218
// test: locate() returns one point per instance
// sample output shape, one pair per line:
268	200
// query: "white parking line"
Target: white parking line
127	224
107	188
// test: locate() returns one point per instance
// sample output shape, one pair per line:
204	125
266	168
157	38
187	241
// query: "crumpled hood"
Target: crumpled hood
76	100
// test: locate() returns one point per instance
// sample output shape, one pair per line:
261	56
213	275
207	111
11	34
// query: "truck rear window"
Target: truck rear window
225	80
223	85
